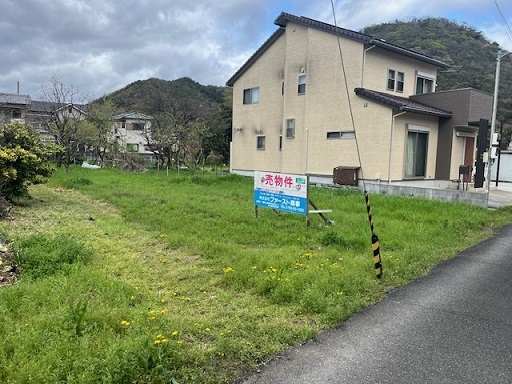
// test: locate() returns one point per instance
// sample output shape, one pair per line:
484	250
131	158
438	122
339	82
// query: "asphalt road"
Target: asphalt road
452	326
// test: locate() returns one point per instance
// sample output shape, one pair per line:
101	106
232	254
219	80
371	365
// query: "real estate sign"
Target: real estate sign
284	192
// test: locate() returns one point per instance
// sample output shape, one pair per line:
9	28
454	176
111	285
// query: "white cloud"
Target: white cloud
102	46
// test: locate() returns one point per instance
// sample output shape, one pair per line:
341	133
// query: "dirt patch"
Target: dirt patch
8	269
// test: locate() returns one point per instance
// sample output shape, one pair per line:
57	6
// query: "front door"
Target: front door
469	151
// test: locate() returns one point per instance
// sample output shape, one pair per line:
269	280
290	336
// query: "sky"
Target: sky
100	46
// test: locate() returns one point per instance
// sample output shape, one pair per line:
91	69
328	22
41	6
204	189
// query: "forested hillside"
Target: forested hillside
470	54
190	120
139	96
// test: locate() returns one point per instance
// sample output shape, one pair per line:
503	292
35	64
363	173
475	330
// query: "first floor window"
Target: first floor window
341	135
132	147
260	143
416	154
290	128
252	95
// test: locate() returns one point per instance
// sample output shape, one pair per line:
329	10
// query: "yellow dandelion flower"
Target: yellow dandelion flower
174	333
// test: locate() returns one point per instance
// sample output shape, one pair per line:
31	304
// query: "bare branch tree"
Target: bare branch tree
65	112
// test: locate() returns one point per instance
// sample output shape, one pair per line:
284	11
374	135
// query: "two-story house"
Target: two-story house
131	131
315	97
41	114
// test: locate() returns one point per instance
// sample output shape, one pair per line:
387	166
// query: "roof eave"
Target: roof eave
409	53
370	95
423	112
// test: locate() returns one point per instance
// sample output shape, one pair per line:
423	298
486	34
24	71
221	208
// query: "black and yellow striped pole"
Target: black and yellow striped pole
375	240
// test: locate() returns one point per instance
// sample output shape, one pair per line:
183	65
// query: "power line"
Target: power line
504	20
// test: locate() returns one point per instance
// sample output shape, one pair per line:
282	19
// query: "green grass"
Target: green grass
137	278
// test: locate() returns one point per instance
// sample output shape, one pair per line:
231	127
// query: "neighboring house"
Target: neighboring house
315	98
40	114
131	132
13	107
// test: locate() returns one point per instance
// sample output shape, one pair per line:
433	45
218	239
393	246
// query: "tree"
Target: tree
24	159
98	134
66	113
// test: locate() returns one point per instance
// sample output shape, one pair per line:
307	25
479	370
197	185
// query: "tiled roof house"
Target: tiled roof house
315	97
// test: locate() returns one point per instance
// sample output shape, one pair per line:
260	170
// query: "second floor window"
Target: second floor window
424	85
302	84
395	80
138	126
252	95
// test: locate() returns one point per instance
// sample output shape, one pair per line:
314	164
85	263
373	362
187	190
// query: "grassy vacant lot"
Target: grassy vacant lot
149	278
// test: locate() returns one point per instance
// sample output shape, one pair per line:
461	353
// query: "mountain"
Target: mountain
138	96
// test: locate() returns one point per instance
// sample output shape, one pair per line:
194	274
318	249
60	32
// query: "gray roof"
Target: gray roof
132	116
284	18
14	98
401	103
50	107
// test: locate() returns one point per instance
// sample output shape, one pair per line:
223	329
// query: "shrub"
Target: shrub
24	159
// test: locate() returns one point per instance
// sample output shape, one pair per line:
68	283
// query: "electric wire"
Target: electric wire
374	238
504	20
348	94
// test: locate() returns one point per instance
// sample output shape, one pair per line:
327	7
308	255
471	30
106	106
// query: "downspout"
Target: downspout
306	140
391	143
364	64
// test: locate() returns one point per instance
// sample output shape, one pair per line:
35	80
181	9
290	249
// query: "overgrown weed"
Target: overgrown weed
154	278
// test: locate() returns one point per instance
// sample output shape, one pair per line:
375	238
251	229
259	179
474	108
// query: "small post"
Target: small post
375	240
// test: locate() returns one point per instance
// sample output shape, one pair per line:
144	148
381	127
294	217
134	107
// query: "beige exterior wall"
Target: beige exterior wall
265	117
377	62
325	107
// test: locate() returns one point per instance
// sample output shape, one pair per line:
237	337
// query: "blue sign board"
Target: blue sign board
283	192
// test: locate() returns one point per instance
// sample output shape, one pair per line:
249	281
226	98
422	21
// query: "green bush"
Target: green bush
39	256
24	159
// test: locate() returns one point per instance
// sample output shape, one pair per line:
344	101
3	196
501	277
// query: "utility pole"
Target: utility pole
492	154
